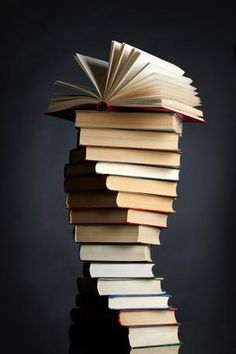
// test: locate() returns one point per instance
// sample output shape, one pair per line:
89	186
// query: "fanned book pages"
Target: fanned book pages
130	80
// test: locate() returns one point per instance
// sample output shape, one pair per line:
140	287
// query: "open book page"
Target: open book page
163	64
128	72
95	69
132	78
80	90
154	93
151	83
181	107
126	69
154	85
155	89
70	102
150	64
142	65
123	56
152	68
142	78
113	59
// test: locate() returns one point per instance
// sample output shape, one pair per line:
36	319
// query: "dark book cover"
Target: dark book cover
91	301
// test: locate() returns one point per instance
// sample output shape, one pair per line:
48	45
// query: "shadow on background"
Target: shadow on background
95	328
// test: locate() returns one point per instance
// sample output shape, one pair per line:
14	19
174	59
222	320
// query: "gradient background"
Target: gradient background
39	261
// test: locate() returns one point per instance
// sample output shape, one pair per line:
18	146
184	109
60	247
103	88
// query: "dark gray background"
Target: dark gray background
39	261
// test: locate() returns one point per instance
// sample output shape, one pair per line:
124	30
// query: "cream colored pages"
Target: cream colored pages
79	89
157	91
95	69
162	77
132	170
154	81
63	103
129	72
114	55
145	64
116	74
132	78
162	64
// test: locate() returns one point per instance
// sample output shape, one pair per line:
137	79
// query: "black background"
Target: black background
39	261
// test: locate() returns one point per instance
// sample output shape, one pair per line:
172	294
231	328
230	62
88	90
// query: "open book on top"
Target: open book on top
131	80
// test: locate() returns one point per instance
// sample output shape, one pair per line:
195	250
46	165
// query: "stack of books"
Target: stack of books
121	185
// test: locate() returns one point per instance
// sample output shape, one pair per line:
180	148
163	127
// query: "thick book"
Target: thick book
141	185
125	317
143	317
116	233
139	302
113	286
153	335
129	120
123	302
91	301
120	286
77	155
108	336
134	156
115	253
136	139
100	199
133	170
85	183
117	216
131	79
121	270
145	202
91	199
120	183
